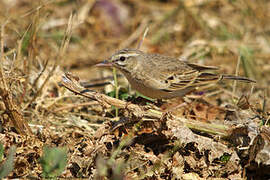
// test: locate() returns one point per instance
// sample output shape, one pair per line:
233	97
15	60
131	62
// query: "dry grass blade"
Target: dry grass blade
40	73
144	35
236	74
135	35
12	109
61	53
37	8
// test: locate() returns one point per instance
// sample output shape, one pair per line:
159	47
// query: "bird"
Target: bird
162	77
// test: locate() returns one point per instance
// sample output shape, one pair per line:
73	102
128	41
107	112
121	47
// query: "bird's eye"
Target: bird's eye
122	58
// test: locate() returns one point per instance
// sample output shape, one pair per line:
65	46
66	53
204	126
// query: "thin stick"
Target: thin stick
62	50
144	35
135	35
264	101
12	109
116	88
251	90
236	73
2	73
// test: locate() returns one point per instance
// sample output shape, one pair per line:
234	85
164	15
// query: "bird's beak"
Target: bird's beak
105	63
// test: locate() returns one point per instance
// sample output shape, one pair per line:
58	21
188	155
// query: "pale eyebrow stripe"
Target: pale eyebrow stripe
128	55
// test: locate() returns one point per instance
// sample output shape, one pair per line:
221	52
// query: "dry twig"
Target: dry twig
12	109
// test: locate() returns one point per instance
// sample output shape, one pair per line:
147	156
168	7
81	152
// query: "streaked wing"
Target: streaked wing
176	75
182	80
191	76
197	79
199	67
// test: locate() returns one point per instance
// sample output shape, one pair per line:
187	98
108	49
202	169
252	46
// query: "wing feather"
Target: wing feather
175	75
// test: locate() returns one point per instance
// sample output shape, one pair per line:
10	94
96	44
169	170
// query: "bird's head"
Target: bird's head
124	59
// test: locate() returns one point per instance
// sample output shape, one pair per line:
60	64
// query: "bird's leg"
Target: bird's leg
171	109
159	102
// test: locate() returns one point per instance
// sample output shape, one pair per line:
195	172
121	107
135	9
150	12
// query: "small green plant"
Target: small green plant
122	94
225	34
53	162
247	59
7	166
145	97
25	42
1	152
225	158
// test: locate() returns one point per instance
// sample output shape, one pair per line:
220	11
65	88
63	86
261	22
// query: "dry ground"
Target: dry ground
52	126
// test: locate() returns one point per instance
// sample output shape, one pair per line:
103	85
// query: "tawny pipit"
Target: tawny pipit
162	77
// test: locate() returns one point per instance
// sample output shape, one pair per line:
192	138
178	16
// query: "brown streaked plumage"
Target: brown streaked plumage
164	77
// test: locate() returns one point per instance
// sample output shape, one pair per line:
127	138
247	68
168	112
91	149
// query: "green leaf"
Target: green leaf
123	94
225	158
8	165
225	34
145	97
247	59
111	94
53	161
25	42
1	152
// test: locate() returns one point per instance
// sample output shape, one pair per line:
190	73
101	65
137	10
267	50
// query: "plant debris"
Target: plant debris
89	123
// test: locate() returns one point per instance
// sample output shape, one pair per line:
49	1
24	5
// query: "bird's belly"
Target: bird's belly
151	92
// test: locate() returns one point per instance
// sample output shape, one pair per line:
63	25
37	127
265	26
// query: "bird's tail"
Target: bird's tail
239	78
